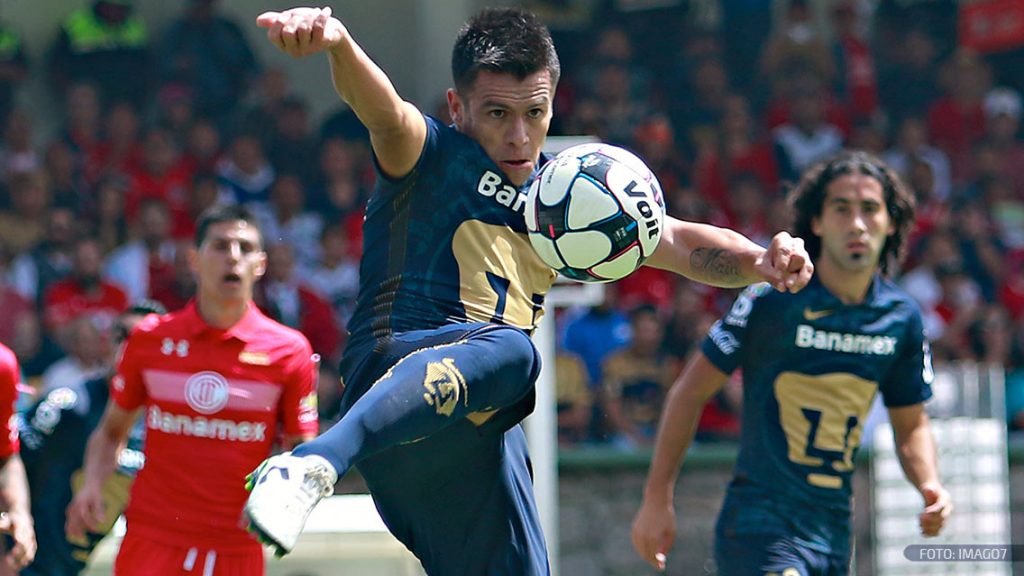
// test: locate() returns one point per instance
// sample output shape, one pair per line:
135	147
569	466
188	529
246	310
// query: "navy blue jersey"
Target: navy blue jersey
447	244
54	433
811	368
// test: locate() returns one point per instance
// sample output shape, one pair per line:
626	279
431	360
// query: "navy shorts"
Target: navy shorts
760	536
461	499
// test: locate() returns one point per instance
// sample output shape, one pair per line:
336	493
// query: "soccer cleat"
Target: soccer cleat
283	490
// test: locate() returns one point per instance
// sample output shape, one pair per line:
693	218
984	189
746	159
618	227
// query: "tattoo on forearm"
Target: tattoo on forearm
715	263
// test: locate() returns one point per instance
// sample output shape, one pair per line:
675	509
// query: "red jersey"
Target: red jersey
214	402
66	300
10	377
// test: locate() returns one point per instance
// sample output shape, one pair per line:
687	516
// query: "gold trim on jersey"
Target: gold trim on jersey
502	278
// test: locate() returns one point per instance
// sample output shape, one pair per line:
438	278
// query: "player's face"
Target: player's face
229	261
508	117
854	223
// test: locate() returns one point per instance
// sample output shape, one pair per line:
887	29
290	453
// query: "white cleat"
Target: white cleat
284	489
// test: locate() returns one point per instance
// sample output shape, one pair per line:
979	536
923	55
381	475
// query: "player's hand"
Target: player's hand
302	31
785	264
937	507
654	532
22	548
86	512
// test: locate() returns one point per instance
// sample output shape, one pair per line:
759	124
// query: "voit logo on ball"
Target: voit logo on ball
207	392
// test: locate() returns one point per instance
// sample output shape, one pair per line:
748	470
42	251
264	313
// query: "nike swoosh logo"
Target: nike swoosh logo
812	315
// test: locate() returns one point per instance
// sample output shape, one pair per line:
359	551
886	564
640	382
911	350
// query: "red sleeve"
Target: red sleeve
298	408
127	388
10	375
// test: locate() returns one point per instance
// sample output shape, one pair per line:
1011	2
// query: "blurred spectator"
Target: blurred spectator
742	149
293	145
956	120
856	81
655	141
700	103
33	272
747	208
146	262
745	27
176	111
18	152
203	146
23	226
15	306
182	288
1011	293
635	381
259	110
119	151
287	220
911	142
336	275
107	221
163	175
1003	108
88	348
958	309
83	292
105	43
909	85
289	300
940	254
82	117
796	43
573	400
689	320
13	67
808	137
203	193
983	253
69	187
991	337
1006	210
209	53
245	174
594	333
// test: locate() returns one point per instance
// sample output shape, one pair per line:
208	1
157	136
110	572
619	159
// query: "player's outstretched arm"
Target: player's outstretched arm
728	259
397	128
85	512
654	527
17	518
915	447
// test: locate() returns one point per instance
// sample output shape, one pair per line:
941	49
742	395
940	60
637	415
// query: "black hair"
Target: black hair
503	40
808	198
224	213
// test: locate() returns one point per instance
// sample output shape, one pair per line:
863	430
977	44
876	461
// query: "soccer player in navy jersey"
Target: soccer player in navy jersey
53	434
439	368
812	363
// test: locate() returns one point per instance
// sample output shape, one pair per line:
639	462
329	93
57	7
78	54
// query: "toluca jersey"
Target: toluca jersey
213	402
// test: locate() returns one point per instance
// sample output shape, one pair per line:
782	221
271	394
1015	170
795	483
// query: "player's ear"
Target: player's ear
816	226
455	108
261	264
193	259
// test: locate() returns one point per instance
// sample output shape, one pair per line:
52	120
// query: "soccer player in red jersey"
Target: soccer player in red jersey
15	519
216	380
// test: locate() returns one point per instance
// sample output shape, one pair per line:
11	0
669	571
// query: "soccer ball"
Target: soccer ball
595	212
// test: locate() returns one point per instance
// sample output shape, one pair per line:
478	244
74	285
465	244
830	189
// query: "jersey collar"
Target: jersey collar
243	330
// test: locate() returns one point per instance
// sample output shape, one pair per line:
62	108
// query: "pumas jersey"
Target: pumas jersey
214	401
447	244
811	368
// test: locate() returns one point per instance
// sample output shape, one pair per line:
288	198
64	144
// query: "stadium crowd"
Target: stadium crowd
158	127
